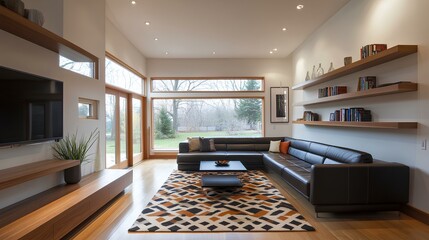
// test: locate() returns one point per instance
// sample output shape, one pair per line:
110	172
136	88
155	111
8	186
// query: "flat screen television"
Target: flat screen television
31	108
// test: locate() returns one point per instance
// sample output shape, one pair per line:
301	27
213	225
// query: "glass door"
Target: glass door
137	124
116	129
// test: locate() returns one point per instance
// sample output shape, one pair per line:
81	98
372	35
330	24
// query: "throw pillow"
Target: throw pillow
284	147
194	144
207	145
274	146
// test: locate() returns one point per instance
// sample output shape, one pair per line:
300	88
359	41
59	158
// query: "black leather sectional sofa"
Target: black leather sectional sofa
332	178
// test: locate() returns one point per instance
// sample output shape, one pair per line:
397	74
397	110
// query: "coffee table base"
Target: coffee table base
220	181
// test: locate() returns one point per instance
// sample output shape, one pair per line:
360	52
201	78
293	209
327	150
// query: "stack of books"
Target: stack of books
365	83
310	116
356	114
331	91
371	49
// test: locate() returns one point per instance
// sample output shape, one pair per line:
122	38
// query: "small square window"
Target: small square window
88	108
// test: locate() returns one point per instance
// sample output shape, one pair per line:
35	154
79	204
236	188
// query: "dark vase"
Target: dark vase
72	175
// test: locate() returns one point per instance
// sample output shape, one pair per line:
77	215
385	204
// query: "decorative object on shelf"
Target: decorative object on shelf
365	83
307	77
348	60
320	71
279	104
14	5
313	73
71	148
35	16
331	67
371	49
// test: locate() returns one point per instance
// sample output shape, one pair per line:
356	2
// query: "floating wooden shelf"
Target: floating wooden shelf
386	125
16	175
391	89
23	28
374	60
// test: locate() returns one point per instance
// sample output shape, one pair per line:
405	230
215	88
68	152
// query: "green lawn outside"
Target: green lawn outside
173	143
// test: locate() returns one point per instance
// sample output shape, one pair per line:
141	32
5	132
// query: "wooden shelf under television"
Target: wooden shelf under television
382	125
15	24
391	89
16	175
374	60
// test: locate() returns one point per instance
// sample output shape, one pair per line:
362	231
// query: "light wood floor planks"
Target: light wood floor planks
114	220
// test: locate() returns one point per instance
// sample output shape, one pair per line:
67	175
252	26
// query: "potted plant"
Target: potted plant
75	149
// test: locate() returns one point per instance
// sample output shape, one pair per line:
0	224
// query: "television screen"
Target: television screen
31	108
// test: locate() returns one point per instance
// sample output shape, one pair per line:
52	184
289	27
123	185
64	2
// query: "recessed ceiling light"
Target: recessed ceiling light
133	2
275	49
156	39
283	29
166	53
271	52
147	23
214	52
299	7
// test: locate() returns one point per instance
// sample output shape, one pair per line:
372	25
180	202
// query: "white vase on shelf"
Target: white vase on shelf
307	77
320	71
331	67
313	73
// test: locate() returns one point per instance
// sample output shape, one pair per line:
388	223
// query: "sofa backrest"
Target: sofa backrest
319	153
237	143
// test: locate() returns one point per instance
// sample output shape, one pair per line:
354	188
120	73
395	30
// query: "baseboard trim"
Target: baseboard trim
416	214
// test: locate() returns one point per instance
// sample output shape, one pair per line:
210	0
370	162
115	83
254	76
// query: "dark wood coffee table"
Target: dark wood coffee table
219	180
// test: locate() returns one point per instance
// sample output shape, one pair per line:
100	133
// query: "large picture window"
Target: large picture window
119	76
176	119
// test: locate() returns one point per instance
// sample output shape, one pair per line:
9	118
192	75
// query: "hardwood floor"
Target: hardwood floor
113	221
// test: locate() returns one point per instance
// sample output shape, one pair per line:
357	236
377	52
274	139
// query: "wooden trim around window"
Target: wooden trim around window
206	78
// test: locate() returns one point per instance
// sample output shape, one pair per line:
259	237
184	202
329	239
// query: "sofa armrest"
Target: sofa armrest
372	183
183	147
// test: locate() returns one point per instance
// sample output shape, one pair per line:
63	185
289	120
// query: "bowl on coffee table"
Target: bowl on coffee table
222	163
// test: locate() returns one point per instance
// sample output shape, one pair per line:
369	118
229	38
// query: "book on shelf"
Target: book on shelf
310	116
354	114
331	91
371	49
367	82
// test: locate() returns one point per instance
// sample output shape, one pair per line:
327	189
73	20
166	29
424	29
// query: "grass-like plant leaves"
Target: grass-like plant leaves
72	148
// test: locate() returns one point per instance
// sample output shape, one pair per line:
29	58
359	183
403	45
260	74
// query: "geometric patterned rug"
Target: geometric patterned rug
181	205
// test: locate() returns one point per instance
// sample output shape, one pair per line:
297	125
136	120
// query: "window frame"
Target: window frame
210	79
129	68
93	110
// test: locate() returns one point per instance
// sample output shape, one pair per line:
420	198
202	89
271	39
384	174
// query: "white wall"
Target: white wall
118	45
84	26
360	23
277	72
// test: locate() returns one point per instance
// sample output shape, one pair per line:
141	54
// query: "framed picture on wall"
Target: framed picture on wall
279	103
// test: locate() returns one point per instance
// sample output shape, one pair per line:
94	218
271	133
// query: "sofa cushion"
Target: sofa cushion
345	155
196	157
207	145
284	147
194	144
240	147
298	178
249	157
274	146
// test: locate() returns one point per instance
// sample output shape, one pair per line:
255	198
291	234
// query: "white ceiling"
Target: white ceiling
231	28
